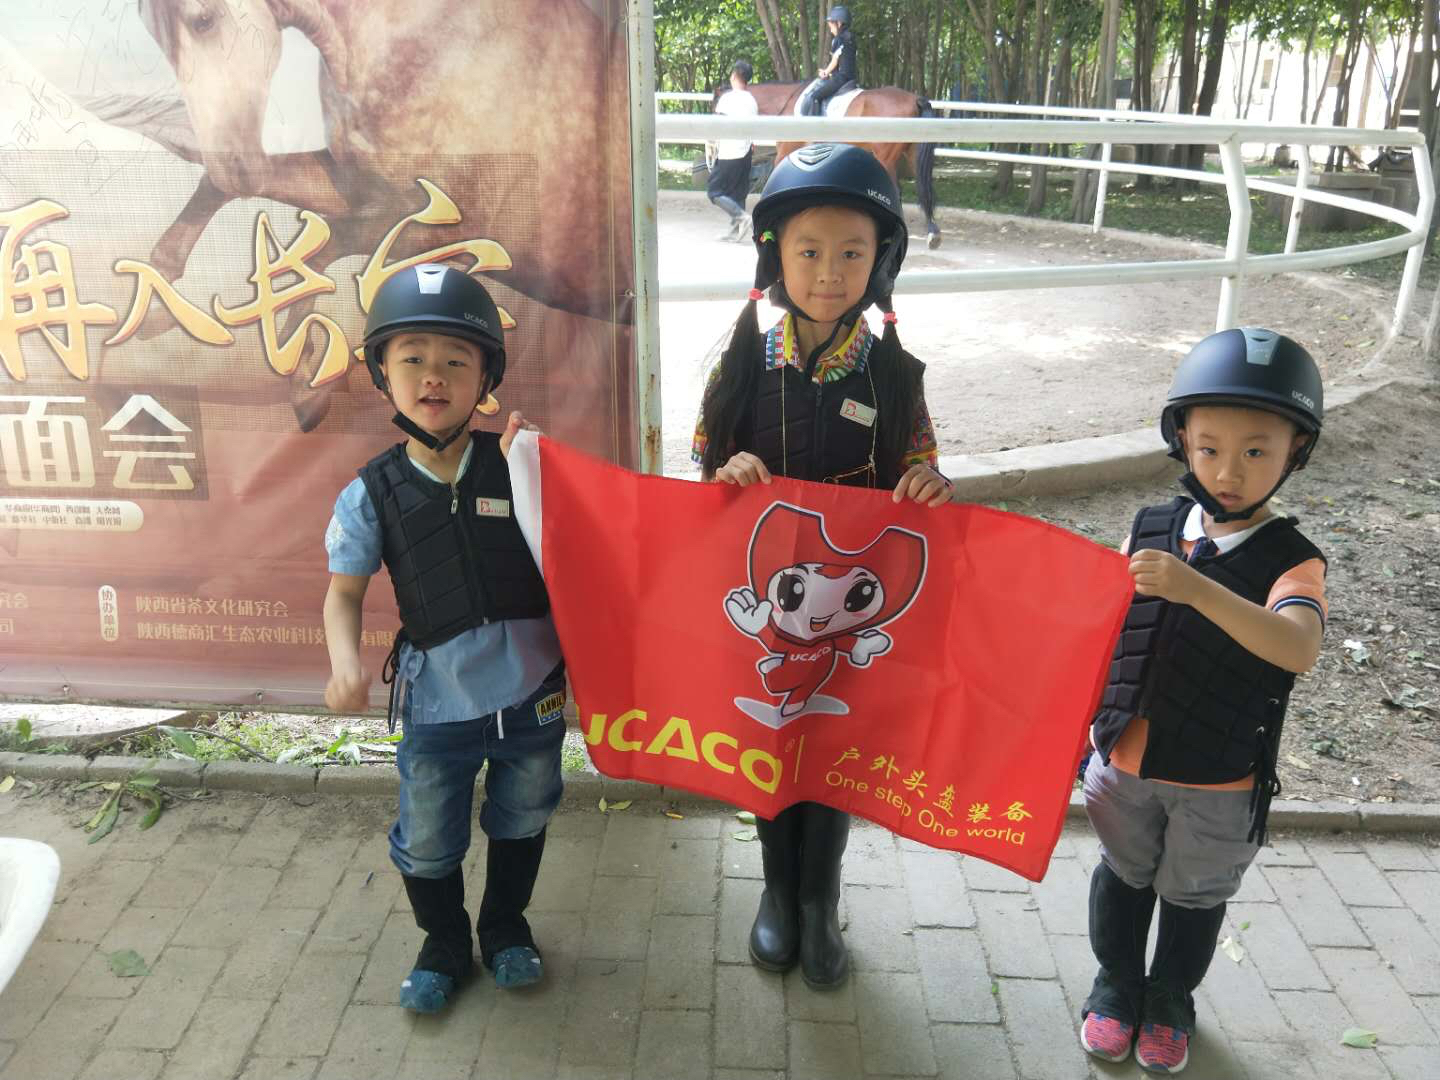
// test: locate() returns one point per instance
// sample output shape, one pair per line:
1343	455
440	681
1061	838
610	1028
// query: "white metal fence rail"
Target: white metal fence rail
1227	136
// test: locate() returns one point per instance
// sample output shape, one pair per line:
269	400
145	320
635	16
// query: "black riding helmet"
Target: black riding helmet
839	13
1254	368
437	299
825	174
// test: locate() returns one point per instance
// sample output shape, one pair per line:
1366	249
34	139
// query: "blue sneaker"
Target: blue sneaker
426	991
516	966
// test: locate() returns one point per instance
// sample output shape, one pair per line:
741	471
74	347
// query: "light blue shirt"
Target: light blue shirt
477	672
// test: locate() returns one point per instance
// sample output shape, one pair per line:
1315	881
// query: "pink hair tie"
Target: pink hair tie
891	317
756	294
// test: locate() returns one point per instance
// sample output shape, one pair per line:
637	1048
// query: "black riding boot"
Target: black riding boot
439	906
1184	947
511	867
824	961
775	937
1119	926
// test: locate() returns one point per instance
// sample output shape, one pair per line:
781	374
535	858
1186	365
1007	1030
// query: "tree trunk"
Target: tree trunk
1324	78
775	39
1040	86
1087	181
1430	98
1275	82
1142	97
1305	71
1351	57
807	58
1189	58
1239	77
1254	78
1169	80
1403	87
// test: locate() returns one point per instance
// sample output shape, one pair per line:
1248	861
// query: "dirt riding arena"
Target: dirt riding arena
1008	369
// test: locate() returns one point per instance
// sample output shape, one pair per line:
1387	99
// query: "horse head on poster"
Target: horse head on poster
224	54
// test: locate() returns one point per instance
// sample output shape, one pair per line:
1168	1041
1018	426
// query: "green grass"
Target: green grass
1202	215
263	736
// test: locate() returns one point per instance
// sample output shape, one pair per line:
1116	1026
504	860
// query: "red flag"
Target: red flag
933	671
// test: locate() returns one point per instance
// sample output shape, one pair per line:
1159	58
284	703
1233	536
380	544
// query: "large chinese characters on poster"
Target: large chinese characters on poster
198	201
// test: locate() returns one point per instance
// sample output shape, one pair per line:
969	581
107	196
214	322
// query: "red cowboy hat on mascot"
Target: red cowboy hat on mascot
788	536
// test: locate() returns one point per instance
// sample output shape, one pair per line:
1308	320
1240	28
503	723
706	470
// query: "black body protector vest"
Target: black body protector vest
826	432
455	553
1214	708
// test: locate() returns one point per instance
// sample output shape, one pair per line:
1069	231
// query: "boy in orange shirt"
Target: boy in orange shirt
1229	607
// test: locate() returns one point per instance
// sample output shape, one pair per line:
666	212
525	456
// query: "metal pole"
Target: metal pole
640	28
1101	189
1238	242
1297	205
1424	211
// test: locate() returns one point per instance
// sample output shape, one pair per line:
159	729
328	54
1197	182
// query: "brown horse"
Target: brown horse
476	96
778	99
413	90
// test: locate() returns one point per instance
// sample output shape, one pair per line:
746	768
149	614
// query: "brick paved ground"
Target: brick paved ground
277	934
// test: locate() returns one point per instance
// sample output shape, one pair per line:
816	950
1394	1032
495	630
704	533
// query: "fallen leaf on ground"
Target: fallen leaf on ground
746	836
126	964
673	816
623	804
6	784
1299	763
1233	949
745	817
1359	1038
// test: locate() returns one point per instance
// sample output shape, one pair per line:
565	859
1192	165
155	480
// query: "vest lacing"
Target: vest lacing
388	675
1267	782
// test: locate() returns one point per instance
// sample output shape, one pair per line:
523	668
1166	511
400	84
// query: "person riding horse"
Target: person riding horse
840	71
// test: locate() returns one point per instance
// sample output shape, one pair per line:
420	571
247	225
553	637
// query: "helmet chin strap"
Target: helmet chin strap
420	435
1211	505
424	438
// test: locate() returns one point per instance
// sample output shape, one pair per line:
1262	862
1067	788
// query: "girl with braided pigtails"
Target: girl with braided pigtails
819	397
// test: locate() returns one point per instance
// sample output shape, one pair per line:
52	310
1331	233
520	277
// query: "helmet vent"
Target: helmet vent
814	155
431	279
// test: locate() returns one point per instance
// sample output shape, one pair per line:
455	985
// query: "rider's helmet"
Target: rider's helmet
435	299
744	69
440	300
832	173
839	13
1251	367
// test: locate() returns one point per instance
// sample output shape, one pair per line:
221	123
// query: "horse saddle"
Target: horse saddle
835	105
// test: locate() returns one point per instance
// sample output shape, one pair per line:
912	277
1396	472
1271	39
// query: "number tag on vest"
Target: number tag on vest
857	411
492	507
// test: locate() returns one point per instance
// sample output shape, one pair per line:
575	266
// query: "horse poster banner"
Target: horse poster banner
932	670
197	203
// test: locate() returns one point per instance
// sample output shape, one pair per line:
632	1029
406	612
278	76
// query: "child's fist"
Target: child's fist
743	469
348	691
924	485
516	424
1158	573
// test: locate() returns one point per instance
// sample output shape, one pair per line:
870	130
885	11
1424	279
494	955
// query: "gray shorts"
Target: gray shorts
1189	843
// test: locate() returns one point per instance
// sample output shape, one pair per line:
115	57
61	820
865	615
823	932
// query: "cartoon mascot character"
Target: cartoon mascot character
809	601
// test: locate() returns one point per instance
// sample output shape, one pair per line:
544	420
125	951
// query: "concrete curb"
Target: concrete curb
586	788
1088	464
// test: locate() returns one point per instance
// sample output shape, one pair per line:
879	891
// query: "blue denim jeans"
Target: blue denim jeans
439	762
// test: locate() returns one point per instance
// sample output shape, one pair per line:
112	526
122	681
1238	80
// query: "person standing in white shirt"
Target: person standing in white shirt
730	158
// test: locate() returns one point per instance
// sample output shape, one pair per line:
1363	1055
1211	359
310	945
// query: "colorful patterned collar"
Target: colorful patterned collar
850	355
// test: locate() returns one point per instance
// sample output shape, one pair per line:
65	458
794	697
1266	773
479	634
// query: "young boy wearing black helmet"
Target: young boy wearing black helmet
819	397
476	671
1229	607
